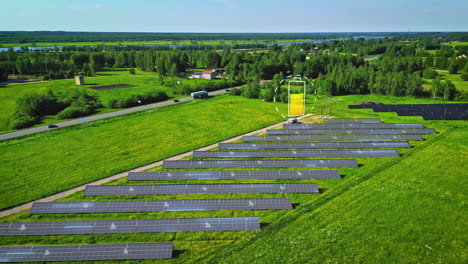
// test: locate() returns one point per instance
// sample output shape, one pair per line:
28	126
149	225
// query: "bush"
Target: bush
135	100
71	112
429	74
132	71
22	121
464	76
236	92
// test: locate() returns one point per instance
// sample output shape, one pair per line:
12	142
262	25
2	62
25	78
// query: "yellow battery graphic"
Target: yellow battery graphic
296	104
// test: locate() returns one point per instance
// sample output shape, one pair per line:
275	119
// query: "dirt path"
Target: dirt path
59	195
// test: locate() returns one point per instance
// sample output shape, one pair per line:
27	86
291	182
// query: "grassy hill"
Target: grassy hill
409	209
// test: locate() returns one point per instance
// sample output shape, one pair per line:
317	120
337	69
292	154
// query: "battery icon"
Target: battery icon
296	97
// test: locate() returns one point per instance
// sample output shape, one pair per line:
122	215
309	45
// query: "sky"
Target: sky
234	15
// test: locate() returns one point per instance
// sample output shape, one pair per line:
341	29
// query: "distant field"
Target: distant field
389	210
157	42
454	78
144	82
459	44
46	163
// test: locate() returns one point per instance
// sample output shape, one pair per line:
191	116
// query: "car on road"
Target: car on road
52	126
176	101
227	90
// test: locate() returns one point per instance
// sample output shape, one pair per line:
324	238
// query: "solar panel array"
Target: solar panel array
298	154
352	125
86	252
161	205
352	120
129	226
352	131
427	111
317	145
233	175
203	164
333	138
159	189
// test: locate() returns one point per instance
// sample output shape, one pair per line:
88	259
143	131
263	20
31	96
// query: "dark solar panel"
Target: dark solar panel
428	111
352	131
129	226
94	252
161	205
233	175
316	145
353	125
333	138
200	188
297	154
352	120
312	163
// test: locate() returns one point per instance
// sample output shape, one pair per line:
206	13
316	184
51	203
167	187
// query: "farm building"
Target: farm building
208	75
196	75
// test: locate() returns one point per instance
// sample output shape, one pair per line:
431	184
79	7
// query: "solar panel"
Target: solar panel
161	205
129	226
233	175
316	145
352	131
428	111
202	164
352	125
94	252
333	138
159	189
298	154
352	120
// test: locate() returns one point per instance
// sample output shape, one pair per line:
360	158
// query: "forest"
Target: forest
337	67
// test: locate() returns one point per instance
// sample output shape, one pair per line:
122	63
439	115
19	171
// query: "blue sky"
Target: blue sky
234	15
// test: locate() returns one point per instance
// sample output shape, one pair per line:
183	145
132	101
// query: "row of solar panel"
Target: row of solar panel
318	145
161	205
161	189
395	106
205	164
352	120
129	226
352	131
373	153
233	175
428	112
334	138
86	252
354	125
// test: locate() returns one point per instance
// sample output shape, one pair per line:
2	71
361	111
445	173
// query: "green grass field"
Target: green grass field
409	209
455	79
144	82
156	42
45	163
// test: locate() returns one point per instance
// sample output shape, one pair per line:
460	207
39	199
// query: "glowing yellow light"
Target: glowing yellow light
296	104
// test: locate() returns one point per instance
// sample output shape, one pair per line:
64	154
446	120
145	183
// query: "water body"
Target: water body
181	45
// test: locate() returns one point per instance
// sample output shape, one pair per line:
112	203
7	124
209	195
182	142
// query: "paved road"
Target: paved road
102	116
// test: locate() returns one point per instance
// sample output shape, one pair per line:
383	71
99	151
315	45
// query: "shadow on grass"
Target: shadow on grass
264	225
295	205
322	190
177	253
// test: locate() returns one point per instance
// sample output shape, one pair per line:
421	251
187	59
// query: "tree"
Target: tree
449	91
464	76
453	67
132	71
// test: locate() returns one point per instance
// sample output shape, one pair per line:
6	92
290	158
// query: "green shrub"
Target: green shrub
464	76
22	121
235	92
429	74
71	112
135	100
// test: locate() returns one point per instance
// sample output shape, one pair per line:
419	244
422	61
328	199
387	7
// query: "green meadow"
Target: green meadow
45	163
143	82
409	209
